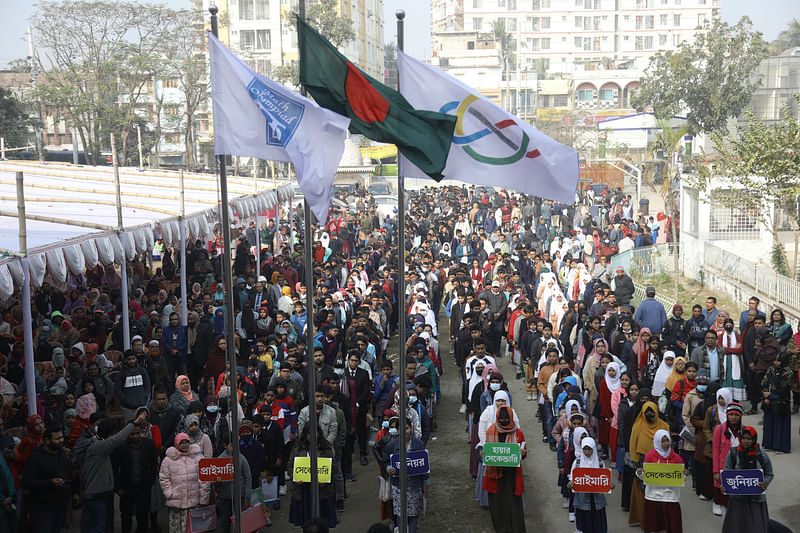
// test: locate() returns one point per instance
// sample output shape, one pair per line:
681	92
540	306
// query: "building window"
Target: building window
585	95
639	43
662	19
606	95
587	23
701	20
172	110
545	23
560	100
172	138
648	42
512	5
596	23
511	24
170	83
729	223
579	22
587	43
649	22
470	45
545	4
676	20
535	45
246	11
639	22
477	24
247	39
596	44
546	44
662	40
263	41
262	9
477	4
578	43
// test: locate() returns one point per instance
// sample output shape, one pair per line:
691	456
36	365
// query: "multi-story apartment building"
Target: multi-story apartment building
568	35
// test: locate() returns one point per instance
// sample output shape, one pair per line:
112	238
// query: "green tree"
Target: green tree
709	79
19	65
762	167
788	38
323	16
15	123
99	57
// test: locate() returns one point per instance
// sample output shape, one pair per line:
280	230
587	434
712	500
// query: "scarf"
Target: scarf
577	435
663	372
188	394
660	434
675	376
588	462
643	432
509	432
640	348
748	459
197	436
726	394
613	383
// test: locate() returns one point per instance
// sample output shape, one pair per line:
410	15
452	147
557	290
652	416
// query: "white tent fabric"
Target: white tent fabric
87	195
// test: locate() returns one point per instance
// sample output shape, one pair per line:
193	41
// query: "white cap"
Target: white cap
495	283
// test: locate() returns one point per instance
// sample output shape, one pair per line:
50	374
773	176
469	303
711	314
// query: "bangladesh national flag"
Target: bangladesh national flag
375	110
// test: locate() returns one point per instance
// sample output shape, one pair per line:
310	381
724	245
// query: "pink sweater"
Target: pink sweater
722	445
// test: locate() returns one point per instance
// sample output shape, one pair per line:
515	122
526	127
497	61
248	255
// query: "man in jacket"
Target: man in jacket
135	465
46	476
163	415
362	391
174	344
326	416
97	472
132	385
199	339
650	313
497	303
623	287
710	357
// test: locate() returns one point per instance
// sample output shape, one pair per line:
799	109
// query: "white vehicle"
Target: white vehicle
387	205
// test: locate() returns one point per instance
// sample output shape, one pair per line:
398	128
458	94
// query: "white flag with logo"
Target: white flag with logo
490	146
257	117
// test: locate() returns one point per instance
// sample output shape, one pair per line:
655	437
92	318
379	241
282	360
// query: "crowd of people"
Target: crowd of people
500	274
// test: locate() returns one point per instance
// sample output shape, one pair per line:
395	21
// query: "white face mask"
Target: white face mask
494	386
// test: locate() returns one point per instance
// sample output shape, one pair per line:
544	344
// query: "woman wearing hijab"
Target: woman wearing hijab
662	507
733	367
644	429
197	436
677	374
417	487
748	514
590	508
495	385
640	350
726	438
663	373
506	485
217	357
183	395
569	443
606	434
776	387
34	437
85	407
477	385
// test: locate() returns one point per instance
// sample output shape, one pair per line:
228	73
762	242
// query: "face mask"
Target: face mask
212	409
339	371
729	328
96	428
494	386
385	424
412	400
393	432
702	388
479	371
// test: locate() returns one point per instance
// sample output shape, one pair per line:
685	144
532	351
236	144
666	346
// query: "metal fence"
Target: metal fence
645	262
639	296
777	287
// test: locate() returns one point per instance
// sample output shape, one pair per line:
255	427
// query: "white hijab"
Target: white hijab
663	372
613	383
577	435
727	395
660	434
594	460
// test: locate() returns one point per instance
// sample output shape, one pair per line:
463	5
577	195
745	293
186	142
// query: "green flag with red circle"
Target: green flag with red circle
376	111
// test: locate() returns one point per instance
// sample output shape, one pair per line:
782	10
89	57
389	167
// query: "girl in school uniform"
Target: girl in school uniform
662	507
590	508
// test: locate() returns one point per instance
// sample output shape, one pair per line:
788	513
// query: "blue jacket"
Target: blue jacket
179	343
651	314
743	318
381	393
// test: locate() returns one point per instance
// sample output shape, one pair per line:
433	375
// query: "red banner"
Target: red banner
597	480
220	469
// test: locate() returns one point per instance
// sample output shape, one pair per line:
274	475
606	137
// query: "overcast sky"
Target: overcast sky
770	18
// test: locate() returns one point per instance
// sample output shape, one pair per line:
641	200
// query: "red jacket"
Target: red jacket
490	485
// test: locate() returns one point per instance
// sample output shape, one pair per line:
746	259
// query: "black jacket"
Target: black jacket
123	462
362	386
40	468
202	343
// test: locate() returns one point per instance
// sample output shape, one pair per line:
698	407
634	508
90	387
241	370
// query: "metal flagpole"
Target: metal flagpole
27	318
182	223
312	376
401	315
229	317
126	323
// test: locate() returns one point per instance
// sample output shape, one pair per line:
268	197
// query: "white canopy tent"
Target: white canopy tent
72	223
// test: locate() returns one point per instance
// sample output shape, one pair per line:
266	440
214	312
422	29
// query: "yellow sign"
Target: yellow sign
664	474
301	470
379	152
